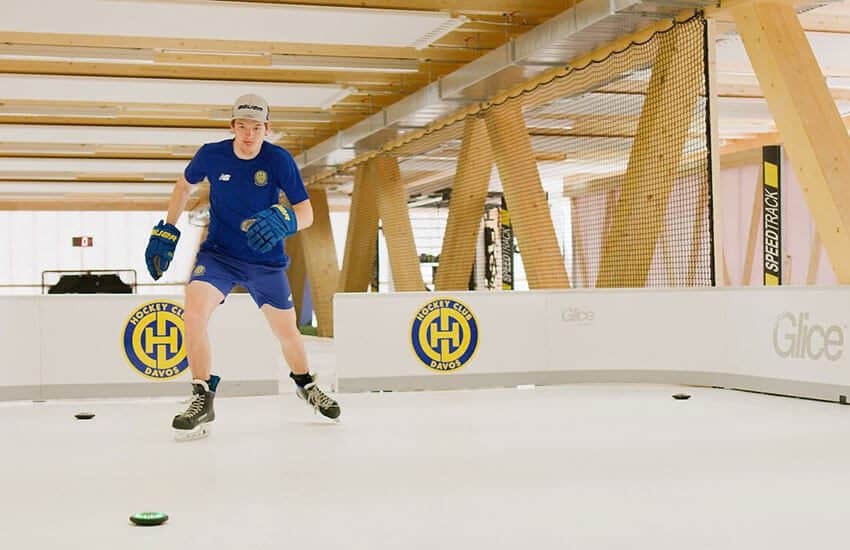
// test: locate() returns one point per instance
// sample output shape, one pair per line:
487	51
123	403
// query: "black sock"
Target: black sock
301	379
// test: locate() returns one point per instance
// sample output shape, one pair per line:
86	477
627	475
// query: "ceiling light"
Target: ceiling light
358	64
442	30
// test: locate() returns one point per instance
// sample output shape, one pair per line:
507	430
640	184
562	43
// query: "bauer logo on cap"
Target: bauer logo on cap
153	340
444	334
251	107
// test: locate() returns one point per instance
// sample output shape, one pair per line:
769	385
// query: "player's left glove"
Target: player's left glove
271	226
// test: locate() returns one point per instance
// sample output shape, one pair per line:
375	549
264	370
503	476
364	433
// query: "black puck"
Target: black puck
84	416
681	396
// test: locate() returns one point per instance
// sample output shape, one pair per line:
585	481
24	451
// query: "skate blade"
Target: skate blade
201	432
327	419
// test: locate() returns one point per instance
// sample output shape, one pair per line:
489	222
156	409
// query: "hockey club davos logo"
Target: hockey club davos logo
199	270
153	340
444	334
260	178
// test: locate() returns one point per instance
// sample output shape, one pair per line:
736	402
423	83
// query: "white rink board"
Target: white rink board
71	346
372	333
19	321
791	340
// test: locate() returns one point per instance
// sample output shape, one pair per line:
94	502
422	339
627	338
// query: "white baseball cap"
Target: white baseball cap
252	107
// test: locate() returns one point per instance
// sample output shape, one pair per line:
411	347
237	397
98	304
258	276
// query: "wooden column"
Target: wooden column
362	237
580	271
668	110
530	217
814	260
469	193
395	222
320	257
806	117
297	272
754	233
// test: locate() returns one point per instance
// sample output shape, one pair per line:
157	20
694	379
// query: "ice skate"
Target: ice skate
195	422
316	398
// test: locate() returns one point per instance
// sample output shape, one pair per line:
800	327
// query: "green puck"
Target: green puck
149	518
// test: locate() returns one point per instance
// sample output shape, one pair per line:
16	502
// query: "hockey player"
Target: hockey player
244	246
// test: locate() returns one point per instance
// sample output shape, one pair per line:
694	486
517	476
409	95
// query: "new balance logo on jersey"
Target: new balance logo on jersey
224	177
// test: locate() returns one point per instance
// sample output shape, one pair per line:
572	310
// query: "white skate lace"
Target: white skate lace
319	399
196	407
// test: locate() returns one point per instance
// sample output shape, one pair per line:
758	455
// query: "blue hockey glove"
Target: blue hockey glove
161	245
270	226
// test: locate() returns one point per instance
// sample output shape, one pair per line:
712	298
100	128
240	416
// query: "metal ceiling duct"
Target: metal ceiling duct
579	30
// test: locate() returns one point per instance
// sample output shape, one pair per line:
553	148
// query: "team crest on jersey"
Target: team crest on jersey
199	270
444	334
153	340
261	178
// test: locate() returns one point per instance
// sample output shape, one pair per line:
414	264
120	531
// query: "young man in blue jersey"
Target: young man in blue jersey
244	246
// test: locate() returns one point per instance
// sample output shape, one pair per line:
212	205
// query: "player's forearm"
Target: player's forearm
177	203
303	214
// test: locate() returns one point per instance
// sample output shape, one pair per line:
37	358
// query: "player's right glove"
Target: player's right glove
270	226
161	245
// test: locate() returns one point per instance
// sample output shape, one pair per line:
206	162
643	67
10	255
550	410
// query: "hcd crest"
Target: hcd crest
444	334
153	340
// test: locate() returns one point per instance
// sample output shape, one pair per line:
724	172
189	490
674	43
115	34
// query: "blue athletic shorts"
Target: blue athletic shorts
265	284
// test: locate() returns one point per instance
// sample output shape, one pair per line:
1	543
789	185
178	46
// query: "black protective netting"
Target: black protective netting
622	150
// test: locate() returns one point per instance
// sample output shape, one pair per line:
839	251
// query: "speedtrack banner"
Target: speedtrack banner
772	214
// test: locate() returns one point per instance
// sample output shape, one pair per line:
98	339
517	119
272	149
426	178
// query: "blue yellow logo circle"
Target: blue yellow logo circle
153	340
444	334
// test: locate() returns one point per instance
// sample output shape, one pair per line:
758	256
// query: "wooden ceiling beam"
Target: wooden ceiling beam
483	7
84	202
816	21
236	46
360	79
12	153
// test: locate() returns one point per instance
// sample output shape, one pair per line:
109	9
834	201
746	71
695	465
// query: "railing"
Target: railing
61	272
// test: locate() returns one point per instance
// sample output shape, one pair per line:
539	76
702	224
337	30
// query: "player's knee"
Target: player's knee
194	321
288	333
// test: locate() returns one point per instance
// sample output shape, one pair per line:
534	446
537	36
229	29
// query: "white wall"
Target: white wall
32	242
73	346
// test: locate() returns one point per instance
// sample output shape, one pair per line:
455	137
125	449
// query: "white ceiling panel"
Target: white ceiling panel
51	188
218	20
92	166
152	90
109	135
